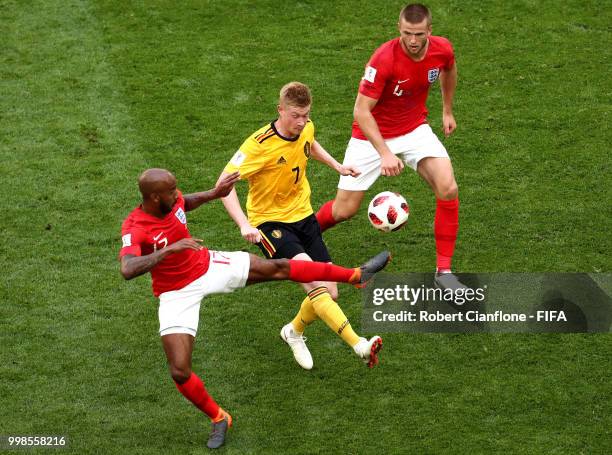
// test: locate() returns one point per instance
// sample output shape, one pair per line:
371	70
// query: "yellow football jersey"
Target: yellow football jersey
275	167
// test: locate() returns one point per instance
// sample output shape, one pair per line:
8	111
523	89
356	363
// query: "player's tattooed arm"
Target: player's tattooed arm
133	266
223	187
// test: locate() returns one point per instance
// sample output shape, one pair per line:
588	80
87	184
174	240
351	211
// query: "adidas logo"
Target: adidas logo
281	160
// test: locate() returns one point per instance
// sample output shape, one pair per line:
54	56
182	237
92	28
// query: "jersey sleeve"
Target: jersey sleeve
377	72
310	131
449	53
131	240
180	199
248	160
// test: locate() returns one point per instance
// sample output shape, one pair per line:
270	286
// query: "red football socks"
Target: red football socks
325	216
193	389
307	271
446	225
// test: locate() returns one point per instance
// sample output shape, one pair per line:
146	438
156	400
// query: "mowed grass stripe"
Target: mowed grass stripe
68	145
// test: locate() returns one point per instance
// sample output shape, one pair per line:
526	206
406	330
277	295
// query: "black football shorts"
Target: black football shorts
286	240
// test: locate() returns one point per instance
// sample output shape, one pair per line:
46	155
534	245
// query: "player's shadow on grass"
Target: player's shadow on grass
560	316
572	303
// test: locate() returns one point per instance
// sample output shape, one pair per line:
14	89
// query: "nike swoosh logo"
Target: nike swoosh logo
405	80
158	236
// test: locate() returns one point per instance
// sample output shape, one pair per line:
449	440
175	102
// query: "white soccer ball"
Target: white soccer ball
388	211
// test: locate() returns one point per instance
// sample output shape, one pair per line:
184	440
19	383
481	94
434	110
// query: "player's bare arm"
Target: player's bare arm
390	164
133	266
320	154
234	209
448	83
223	187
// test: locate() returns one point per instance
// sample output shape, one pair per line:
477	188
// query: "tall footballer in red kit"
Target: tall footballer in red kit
155	239
391	129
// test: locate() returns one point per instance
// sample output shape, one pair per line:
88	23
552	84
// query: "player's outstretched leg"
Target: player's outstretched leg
374	265
307	271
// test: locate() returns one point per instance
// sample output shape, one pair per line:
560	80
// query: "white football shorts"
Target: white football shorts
411	148
179	311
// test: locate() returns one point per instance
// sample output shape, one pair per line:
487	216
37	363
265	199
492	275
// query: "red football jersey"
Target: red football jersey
143	234
401	85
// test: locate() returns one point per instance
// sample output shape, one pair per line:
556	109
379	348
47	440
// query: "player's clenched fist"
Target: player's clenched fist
353	171
250	234
390	165
448	124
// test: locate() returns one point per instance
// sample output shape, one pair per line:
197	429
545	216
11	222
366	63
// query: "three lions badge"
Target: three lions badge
432	75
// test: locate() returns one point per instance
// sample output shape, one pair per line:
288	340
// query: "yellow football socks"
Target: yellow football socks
329	311
305	316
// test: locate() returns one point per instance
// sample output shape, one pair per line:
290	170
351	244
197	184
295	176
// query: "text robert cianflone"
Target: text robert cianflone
469	316
412	295
437	316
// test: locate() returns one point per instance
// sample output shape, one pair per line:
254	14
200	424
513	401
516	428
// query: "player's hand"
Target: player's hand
349	170
226	183
185	244
250	234
448	124
390	165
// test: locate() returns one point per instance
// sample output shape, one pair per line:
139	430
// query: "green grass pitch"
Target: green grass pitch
93	92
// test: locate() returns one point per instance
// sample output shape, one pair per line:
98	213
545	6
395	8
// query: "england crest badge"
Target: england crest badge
180	214
432	75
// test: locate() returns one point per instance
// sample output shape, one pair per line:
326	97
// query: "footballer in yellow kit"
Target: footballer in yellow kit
280	217
275	167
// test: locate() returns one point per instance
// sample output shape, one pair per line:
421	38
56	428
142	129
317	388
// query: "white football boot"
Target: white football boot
297	343
367	350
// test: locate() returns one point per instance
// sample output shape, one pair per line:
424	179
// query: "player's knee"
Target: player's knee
268	269
280	269
345	211
180	374
333	294
448	192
